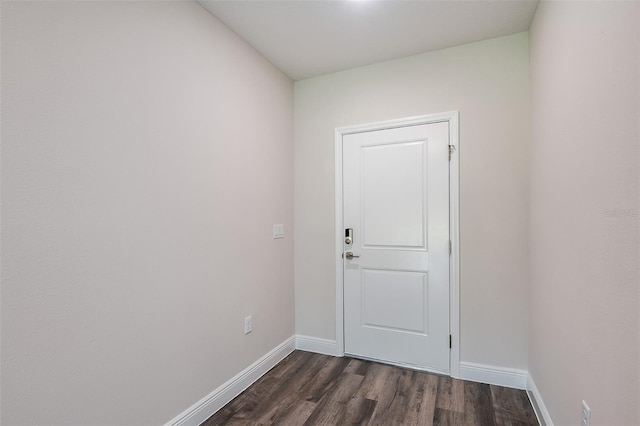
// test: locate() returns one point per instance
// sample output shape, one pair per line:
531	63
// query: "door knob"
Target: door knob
350	255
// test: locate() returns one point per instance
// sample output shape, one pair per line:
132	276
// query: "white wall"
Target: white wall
488	82
585	330
146	152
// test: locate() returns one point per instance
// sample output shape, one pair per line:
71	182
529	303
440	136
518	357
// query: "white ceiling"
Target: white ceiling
309	38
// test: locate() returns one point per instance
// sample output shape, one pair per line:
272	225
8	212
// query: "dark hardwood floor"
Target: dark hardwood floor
313	389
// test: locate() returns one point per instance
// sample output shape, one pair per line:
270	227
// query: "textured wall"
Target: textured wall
146	152
585	327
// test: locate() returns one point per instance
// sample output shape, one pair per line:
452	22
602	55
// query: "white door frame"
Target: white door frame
454	225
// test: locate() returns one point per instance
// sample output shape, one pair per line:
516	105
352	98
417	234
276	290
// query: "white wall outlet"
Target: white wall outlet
248	325
278	231
586	415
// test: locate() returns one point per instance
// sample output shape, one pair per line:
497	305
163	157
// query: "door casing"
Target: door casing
454	225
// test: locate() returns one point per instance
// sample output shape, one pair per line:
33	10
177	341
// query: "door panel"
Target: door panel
380	301
396	200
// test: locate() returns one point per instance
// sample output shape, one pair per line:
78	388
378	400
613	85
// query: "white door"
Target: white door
396	285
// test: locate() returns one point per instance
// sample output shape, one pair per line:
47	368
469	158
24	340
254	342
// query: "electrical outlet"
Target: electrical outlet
586	415
248	325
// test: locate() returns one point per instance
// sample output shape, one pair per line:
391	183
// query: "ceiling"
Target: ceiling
308	38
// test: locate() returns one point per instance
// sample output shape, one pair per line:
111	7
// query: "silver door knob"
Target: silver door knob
350	255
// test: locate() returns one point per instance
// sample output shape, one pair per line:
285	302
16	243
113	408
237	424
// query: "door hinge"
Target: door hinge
451	149
450	345
449	246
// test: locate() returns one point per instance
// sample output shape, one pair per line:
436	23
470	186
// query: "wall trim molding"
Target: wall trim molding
493	375
317	345
207	406
538	404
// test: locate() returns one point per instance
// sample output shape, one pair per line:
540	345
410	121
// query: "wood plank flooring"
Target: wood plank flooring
313	389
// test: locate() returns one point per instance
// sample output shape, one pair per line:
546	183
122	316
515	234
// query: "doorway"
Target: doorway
397	242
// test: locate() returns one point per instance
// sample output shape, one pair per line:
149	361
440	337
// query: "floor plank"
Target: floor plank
359	411
282	399
331	409
450	394
312	389
478	406
443	417
422	404
510	406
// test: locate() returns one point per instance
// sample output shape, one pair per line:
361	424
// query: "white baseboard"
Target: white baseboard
483	373
490	374
538	404
317	345
207	406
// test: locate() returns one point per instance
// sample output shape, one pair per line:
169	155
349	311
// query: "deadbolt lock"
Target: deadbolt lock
348	236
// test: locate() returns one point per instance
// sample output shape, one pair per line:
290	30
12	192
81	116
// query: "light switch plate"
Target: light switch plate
278	231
